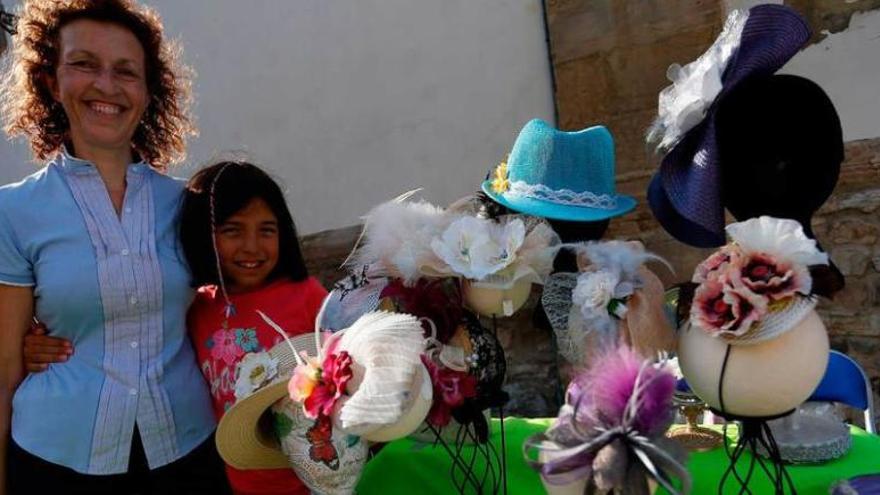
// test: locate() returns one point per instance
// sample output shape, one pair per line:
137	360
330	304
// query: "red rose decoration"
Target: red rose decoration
723	308
451	388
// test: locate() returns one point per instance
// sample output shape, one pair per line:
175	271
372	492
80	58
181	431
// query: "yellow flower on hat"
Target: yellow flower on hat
501	183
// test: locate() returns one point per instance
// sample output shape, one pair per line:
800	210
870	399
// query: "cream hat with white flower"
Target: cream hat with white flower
754	345
499	258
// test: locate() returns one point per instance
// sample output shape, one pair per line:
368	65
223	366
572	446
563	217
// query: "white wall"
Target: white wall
847	66
352	102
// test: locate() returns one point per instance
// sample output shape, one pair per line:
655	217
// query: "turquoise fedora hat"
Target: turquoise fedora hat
560	175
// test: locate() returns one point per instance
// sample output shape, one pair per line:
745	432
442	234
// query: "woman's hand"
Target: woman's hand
41	350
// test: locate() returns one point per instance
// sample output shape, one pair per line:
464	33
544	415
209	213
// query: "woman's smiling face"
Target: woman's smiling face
100	82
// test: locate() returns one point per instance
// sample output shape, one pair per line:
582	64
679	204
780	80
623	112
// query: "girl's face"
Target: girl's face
247	244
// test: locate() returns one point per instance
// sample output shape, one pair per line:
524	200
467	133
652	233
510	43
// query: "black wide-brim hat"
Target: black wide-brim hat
781	145
685	194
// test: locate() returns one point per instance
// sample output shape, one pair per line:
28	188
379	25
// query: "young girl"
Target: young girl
235	224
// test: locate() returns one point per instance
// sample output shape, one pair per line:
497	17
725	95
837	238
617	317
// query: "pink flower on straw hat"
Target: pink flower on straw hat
335	374
726	308
305	378
319	388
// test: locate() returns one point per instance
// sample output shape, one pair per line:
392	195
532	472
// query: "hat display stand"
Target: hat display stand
786	378
755	436
466	448
767	148
789	170
466	438
446	266
754	348
795	149
558	187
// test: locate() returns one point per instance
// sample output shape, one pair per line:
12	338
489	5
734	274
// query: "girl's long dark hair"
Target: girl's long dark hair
238	185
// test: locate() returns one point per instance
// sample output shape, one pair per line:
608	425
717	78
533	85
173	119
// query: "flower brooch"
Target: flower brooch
764	271
500	179
318	386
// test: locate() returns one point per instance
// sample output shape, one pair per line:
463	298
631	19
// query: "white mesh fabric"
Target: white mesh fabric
346	304
556	300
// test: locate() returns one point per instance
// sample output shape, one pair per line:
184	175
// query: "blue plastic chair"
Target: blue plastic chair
846	382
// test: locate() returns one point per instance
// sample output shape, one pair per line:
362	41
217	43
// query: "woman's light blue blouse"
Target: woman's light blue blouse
117	287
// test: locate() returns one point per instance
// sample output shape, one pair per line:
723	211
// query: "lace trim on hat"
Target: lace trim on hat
520	189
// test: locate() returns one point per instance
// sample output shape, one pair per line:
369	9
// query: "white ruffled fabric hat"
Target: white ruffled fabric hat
390	391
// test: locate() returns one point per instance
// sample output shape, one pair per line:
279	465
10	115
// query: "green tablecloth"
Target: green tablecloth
405	467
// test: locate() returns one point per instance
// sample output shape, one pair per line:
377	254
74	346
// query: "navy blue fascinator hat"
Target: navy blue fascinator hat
685	195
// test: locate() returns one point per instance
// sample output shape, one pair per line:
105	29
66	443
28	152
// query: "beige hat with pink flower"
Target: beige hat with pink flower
759	285
754	346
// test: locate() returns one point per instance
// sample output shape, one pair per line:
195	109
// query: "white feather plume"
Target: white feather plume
620	257
396	239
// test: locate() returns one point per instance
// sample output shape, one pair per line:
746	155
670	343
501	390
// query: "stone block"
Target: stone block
852	259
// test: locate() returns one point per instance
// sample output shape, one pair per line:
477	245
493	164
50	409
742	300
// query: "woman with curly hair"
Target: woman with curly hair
89	245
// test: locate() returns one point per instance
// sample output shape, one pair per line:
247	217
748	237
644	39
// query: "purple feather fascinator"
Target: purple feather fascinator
611	429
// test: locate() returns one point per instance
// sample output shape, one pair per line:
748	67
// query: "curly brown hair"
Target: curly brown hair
30	110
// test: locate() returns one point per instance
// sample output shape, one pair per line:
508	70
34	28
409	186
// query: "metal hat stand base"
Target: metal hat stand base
465	474
755	436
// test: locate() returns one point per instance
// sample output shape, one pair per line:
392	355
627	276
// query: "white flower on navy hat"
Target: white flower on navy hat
695	86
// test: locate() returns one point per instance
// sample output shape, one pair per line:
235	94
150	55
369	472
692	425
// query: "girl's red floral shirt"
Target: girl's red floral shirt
221	343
